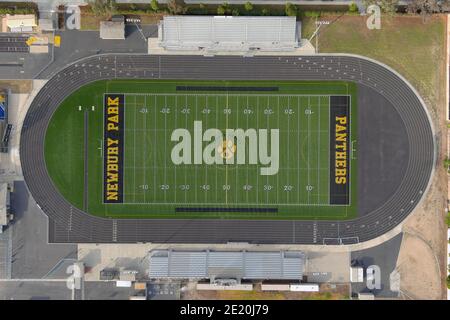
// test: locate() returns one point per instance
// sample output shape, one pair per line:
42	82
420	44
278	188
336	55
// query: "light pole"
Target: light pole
316	32
134	21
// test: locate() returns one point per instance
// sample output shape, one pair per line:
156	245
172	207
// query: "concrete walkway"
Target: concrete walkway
18	106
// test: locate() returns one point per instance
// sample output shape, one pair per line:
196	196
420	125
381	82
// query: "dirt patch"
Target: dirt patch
419	272
422	259
17	86
90	21
327	292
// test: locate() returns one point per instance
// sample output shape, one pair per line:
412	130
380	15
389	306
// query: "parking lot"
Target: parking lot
14	43
5	255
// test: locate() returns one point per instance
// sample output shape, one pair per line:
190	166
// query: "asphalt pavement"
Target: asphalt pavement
385	257
32	256
13	43
75	45
37	290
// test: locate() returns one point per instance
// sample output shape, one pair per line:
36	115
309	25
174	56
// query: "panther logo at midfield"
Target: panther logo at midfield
227	149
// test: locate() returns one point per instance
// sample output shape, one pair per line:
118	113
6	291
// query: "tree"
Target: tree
291	10
447	162
423	7
353	7
387	6
444	5
248	6
235	12
203	8
265	12
154	5
176	7
103	7
223	9
312	14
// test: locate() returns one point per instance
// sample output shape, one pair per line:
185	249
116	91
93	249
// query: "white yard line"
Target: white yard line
165	149
145	148
235	159
155	153
309	148
246	180
134	151
289	145
196	115
206	167
318	155
185	171
226	165
216	165
257	166
175	167
298	149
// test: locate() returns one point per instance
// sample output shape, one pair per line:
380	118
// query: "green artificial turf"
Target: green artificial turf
154	186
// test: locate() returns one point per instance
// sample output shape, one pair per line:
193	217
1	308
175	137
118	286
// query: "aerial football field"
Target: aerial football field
219	149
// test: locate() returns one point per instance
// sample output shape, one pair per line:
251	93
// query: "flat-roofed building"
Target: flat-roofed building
228	33
20	22
113	30
4	204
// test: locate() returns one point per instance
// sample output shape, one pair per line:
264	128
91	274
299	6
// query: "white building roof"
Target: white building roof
227	33
287	265
17	21
112	30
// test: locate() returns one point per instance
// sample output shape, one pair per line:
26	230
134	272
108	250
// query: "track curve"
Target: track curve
69	224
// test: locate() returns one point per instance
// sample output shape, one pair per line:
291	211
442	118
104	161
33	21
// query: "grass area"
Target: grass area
64	151
90	21
17	8
414	48
153	185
